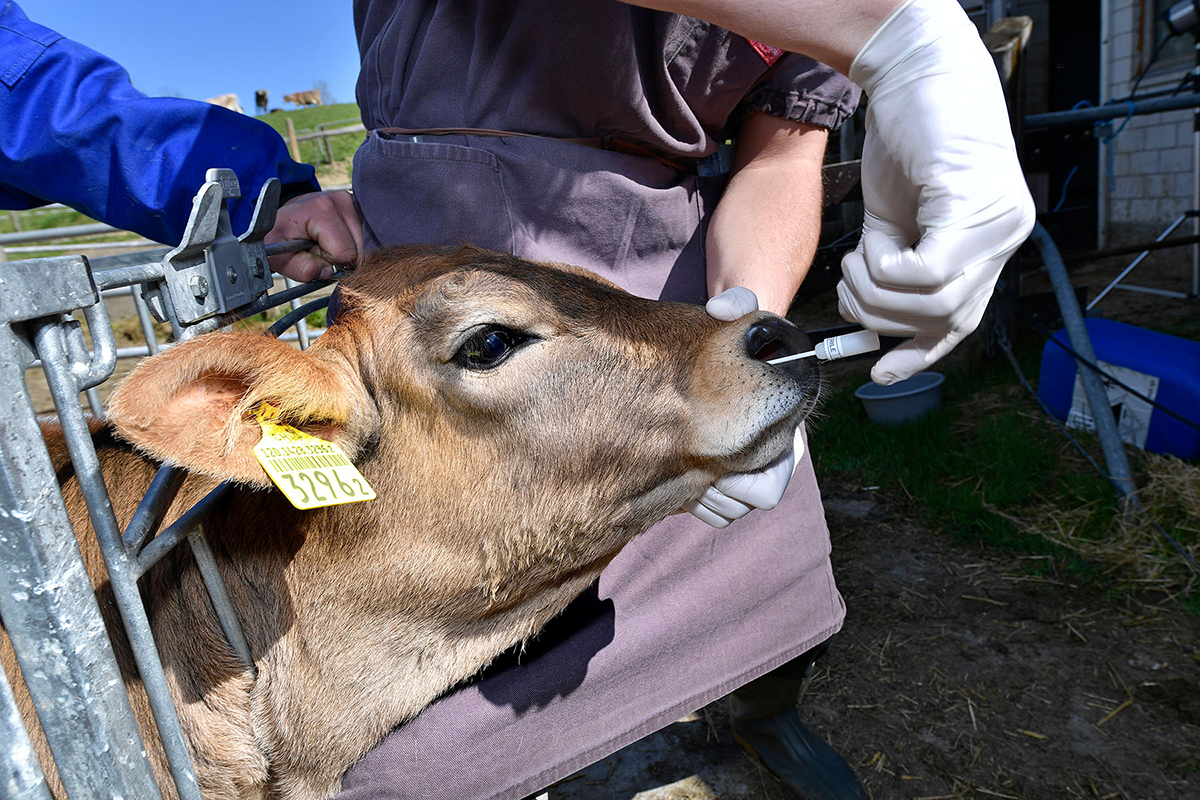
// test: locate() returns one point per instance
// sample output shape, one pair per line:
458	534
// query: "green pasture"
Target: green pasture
306	120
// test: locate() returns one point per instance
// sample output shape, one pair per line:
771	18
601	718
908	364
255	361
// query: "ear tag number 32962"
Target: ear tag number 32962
310	472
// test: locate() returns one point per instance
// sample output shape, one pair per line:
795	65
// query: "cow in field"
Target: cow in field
260	100
229	101
458	381
310	98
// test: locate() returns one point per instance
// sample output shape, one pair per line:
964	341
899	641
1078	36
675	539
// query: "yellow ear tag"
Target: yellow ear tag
310	472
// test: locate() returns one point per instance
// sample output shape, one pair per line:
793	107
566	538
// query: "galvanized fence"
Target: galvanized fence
47	605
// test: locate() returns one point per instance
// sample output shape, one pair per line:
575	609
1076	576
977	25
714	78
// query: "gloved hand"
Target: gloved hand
946	203
737	494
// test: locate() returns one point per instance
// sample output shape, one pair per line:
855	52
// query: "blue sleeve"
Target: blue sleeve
73	130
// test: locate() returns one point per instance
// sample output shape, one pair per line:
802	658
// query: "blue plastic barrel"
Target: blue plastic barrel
1174	361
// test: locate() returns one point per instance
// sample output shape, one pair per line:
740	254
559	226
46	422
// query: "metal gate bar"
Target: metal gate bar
23	777
47	604
64	386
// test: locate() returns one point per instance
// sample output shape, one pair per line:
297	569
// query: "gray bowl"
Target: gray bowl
903	401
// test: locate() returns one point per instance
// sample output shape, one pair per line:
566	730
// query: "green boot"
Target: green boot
767	725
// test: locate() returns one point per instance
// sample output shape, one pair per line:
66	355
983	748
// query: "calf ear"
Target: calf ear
191	405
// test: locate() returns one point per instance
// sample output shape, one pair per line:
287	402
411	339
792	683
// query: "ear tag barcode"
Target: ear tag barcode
310	472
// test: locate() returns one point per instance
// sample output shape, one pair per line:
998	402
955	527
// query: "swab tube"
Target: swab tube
835	347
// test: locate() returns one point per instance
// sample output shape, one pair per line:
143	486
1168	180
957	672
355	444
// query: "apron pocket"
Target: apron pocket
421	190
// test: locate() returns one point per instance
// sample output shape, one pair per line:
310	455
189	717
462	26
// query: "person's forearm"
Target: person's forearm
832	31
764	233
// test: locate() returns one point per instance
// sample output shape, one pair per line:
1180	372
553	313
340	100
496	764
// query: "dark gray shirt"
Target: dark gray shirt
579	68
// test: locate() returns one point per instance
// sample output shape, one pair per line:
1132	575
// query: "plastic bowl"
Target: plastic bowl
903	401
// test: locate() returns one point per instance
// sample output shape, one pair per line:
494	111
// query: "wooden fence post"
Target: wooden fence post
293	145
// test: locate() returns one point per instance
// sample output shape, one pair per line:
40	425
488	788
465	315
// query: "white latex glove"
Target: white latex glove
737	494
946	203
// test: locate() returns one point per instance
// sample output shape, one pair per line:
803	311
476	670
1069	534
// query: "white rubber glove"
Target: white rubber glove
737	494
946	203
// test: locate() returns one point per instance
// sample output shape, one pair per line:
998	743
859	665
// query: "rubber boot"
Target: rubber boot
766	723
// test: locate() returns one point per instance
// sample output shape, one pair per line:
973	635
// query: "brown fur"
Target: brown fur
501	494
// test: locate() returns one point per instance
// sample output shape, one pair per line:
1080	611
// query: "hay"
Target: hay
1131	547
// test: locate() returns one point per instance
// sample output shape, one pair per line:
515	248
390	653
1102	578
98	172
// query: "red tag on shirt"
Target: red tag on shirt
769	54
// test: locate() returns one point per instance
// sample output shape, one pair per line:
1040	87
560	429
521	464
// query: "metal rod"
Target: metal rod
1085	116
291	246
1106	427
94	402
1111	252
162	544
122	578
1136	261
1158	292
23	779
301	324
71	247
65	232
219	594
142	257
102	359
144	320
50	611
154	504
127	276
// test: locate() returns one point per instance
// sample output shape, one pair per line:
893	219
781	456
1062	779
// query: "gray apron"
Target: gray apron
685	613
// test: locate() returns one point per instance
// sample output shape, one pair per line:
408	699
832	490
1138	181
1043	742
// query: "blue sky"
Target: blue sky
202	48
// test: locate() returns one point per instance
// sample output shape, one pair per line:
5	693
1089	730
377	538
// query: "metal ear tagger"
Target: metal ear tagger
310	472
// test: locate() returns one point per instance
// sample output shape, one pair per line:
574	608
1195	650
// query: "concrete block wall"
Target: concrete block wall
1148	175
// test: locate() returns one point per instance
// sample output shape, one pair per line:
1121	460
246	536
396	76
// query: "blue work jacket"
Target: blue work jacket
73	130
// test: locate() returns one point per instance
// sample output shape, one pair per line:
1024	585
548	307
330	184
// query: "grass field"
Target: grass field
306	120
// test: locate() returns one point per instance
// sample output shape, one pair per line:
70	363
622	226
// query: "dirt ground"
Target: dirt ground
957	675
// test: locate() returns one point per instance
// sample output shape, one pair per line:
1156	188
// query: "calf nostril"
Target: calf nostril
773	338
772	348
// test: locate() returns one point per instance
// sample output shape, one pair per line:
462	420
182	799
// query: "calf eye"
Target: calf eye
489	347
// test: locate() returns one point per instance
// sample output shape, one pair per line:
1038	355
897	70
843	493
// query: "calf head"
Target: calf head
533	410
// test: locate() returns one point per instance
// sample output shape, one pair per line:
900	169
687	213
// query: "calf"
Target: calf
229	101
310	98
519	422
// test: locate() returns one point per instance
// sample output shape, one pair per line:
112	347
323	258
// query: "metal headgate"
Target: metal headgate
47	606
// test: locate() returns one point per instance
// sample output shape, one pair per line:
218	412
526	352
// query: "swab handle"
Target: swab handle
848	344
